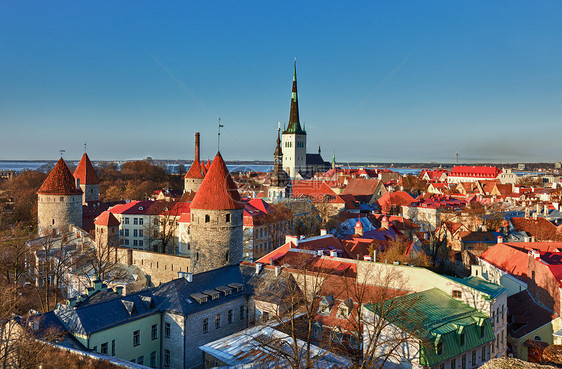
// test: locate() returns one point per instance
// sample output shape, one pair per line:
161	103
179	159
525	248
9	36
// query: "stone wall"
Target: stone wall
91	192
215	242
161	268
192	184
58	211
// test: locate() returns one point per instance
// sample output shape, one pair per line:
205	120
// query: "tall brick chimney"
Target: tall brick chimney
197	146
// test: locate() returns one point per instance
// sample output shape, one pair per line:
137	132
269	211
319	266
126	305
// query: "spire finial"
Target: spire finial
61	151
219	136
84	146
319	151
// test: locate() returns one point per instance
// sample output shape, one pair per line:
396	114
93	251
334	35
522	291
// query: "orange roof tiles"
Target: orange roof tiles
60	181
86	172
218	191
361	186
107	219
195	170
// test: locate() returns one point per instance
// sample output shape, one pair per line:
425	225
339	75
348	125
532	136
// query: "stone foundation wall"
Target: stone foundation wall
161	268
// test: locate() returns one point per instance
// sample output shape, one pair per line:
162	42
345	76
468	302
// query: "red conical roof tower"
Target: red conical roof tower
86	172
218	191
195	170
60	181
107	219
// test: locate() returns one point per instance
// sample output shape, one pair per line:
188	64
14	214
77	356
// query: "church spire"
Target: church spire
294	121
278	154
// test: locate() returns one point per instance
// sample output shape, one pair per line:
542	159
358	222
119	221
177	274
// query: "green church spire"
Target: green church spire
294	122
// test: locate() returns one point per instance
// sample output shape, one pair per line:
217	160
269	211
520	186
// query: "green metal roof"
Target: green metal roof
433	316
491	289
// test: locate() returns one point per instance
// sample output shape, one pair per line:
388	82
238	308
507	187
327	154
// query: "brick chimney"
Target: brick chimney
197	146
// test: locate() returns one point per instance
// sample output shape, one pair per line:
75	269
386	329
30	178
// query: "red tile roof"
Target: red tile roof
477	172
361	186
540	228
60	181
144	207
315	190
107	219
86	172
194	171
395	198
218	191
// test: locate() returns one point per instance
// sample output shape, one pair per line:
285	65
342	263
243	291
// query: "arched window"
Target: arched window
207	218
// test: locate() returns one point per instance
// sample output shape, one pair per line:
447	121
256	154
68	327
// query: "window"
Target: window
483	353
126	241
473	357
140	360
95	348
462	339
205	325
439	348
482	331
154	332
167	330
136	338
537	338
141	242
503	334
120	232
166	358
153	359
503	308
104	348
135	232
61	199
498	341
453	363
463	362
229	316
135	243
207	218
242	311
126	233
141	233
126	219
112	347
218	321
228	218
457	294
135	221
141	221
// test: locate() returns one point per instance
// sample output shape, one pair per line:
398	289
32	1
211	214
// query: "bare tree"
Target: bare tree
161	232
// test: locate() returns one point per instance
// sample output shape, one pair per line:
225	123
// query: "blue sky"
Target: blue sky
479	77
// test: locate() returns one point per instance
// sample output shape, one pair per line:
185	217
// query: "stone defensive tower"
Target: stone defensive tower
107	235
60	200
88	180
194	176
294	137
216	221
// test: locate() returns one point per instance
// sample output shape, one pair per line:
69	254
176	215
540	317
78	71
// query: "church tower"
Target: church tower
88	180
279	182
216	221
60	200
194	176
294	137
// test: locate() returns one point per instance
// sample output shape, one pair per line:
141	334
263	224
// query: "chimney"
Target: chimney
367	258
323	232
319	253
334	253
535	216
277	271
293	239
129	256
197	146
527	213
258	268
484	228
500	239
189	277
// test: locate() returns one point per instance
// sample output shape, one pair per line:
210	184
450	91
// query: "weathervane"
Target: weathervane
61	151
84	146
219	136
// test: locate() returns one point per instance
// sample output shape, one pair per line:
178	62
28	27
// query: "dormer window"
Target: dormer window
237	286
226	290
326	305
457	294
462	339
214	294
